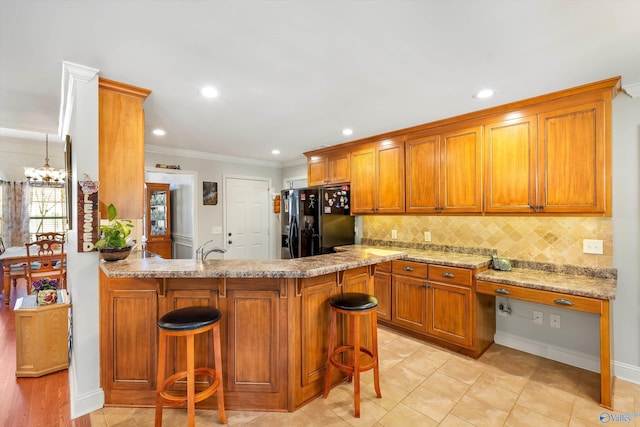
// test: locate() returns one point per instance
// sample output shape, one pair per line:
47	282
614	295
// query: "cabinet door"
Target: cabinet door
121	148
410	302
460	173
382	291
339	168
129	343
510	165
253	322
363	174
450	316
317	170
390	176
571	149
422	170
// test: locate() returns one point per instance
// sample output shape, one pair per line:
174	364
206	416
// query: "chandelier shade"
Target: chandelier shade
45	176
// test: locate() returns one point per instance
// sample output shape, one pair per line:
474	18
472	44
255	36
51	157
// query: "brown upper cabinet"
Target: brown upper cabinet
552	162
121	148
377	177
443	171
329	168
545	155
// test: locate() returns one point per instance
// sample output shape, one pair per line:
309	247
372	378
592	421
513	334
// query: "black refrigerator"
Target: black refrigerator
315	220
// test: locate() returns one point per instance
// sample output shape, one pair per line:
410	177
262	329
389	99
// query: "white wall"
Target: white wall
212	168
18	152
82	270
626	236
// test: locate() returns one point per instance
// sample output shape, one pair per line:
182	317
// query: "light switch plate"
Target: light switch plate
590	246
216	229
394	234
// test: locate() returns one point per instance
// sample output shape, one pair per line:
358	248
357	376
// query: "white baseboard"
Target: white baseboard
85	403
627	372
580	360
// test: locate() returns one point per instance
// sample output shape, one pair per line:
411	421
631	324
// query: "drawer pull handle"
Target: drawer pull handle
562	301
449	275
502	291
407	268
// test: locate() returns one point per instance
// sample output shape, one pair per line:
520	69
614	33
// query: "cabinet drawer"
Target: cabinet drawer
556	299
409	268
384	267
456	275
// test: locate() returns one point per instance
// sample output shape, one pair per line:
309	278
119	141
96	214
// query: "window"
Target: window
47	210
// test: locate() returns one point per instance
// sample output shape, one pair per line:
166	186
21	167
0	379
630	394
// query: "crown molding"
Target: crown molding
72	75
171	151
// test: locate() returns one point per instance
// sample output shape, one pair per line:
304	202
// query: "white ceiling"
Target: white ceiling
293	74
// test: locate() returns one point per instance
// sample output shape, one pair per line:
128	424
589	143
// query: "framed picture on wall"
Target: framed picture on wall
209	193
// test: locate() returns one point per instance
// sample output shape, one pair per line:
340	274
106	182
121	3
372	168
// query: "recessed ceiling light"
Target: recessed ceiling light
159	132
209	92
275	151
484	93
347	132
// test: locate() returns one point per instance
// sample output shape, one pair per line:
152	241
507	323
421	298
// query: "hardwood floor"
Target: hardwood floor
30	402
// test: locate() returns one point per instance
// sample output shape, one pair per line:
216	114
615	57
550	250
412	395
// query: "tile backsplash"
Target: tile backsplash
543	239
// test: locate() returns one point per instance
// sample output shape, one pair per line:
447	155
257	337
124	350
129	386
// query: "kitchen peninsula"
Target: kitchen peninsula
274	326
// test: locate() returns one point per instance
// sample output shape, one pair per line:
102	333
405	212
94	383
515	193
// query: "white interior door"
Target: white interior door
246	218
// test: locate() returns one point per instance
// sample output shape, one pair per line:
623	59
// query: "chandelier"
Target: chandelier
46	176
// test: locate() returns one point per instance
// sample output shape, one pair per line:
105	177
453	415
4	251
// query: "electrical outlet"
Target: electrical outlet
590	246
427	236
554	321
394	234
537	317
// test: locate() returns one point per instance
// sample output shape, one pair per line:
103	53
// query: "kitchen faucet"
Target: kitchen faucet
202	255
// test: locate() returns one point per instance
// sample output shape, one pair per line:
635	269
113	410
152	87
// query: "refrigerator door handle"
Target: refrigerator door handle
293	236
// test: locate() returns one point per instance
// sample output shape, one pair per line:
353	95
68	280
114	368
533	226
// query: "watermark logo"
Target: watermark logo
608	417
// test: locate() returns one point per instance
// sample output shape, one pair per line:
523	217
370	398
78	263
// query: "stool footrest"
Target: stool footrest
349	368
177	399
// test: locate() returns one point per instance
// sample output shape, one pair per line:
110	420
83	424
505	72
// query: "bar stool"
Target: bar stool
189	322
355	306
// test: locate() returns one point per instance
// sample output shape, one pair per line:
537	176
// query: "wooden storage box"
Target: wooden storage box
42	335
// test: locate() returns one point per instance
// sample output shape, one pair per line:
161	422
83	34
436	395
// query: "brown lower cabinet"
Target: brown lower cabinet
274	336
436	303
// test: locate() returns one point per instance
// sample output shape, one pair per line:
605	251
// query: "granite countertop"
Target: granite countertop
273	268
589	282
573	284
451	259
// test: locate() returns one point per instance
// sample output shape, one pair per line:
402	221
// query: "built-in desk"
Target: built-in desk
590	293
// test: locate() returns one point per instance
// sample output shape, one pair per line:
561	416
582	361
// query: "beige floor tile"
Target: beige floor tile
403	416
589	385
493	394
391	394
461	370
401	376
388	359
523	417
447	386
430	403
402	346
453	421
370	413
538	398
479	413
98	419
511	382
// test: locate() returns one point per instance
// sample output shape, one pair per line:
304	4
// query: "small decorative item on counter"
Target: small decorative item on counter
46	291
113	244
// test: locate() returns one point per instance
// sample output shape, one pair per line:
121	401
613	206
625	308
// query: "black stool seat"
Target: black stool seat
188	318
354	301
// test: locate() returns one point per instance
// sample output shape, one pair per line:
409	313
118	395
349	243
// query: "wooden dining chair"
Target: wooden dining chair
50	256
59	237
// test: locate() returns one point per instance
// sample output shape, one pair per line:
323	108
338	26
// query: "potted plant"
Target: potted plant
46	291
113	244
